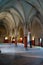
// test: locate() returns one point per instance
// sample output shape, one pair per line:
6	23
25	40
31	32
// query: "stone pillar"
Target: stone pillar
16	41
25	37
16	36
30	40
10	36
39	44
36	41
25	41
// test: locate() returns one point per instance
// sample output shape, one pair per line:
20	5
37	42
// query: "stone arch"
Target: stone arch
8	21
17	18
36	27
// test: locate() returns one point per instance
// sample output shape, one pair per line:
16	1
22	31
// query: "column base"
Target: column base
25	42
15	42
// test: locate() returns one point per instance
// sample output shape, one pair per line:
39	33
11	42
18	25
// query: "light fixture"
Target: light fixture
40	40
6	38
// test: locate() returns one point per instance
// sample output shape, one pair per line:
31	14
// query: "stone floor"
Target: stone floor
11	55
19	60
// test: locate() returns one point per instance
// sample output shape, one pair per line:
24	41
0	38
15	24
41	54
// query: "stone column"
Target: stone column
10	36
25	37
36	41
30	39
16	36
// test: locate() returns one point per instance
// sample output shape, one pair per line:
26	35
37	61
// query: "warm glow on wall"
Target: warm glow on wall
21	38
32	37
13	40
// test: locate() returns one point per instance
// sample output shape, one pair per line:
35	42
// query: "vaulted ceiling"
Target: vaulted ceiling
25	8
22	12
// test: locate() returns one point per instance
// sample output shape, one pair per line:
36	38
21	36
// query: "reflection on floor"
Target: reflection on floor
12	55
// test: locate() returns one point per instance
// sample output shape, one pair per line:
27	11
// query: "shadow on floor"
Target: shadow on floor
19	60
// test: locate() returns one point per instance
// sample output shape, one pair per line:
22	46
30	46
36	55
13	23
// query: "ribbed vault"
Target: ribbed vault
17	14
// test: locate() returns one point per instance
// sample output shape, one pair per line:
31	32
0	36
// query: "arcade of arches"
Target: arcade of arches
20	18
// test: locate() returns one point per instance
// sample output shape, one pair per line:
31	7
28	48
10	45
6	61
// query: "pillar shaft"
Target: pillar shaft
36	42
15	41
15	36
25	42
10	36
25	37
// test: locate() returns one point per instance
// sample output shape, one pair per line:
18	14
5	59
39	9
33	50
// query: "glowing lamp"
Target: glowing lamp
40	40
6	38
